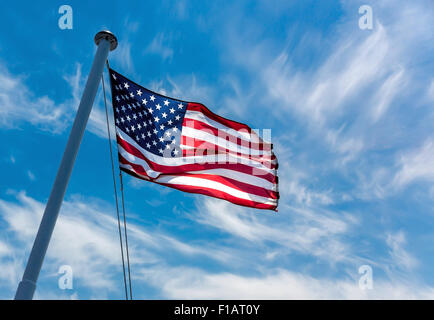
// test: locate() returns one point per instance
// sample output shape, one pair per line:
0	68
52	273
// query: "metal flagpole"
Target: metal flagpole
106	41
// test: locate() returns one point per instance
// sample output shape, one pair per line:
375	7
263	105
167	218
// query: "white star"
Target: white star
139	92
164	115
161	139
139	126
166	102
168	133
172	110
117	121
177	117
154	142
117	99
133	128
162	127
144	101
150	110
180	106
131	94
152	98
169	122
117	110
168	146
114	77
122	120
143	136
148	145
160	151
134	116
123	108
128	118
149	133
175	152
126	85
156	119
155	131
175	129
158	106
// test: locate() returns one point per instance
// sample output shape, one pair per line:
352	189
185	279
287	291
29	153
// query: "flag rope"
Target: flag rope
115	190
126	235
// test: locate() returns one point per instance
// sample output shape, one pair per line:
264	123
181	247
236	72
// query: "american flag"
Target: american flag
183	145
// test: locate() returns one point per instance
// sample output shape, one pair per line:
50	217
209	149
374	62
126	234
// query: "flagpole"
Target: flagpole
106	41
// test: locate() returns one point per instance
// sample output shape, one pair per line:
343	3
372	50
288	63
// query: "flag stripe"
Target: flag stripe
198	121
209	192
222	181
248	181
225	122
193	133
193	147
192	162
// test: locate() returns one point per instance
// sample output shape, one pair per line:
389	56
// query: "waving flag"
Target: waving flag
183	145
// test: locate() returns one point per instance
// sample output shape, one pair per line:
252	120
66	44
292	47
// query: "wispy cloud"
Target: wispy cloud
85	238
18	104
416	165
190	283
159	46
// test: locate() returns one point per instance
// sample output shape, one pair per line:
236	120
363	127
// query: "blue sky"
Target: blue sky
351	114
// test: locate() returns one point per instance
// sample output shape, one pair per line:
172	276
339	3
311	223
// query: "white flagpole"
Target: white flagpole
106	41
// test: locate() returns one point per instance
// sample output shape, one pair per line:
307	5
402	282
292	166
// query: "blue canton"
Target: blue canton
153	121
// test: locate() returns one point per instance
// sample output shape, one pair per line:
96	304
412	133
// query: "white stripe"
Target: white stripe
208	136
265	162
208	159
232	174
243	134
205	183
239	176
133	159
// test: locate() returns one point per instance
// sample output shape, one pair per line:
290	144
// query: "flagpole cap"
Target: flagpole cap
107	35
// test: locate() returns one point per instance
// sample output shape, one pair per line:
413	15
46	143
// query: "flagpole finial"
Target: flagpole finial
105	34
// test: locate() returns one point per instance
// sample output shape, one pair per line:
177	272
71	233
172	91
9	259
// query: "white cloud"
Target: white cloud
31	175
416	164
97	123
189	283
158	46
400	256
308	231
386	94
18	104
86	238
345	73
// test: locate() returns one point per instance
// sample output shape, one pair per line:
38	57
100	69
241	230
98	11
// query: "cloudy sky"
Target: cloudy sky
351	115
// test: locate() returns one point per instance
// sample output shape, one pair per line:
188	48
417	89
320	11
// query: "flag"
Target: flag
183	145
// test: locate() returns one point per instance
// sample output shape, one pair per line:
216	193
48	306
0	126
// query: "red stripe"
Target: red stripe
241	186
221	195
226	122
199	125
195	166
210	192
202	147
